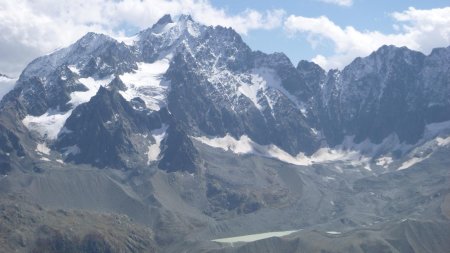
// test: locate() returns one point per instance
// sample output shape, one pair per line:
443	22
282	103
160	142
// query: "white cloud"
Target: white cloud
26	32
420	30
30	28
6	84
339	2
145	13
248	20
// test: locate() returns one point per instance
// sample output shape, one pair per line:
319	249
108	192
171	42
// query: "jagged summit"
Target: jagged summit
183	67
166	19
186	130
185	17
174	27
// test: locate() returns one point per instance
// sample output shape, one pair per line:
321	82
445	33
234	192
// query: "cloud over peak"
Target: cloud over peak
420	30
30	28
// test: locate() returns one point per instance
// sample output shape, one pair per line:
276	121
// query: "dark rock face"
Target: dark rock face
382	94
117	84
47	81
219	86
10	147
38	96
435	79
241	203
164	20
114	125
111	57
386	95
206	107
178	153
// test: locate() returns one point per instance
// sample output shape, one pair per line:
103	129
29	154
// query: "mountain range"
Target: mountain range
193	136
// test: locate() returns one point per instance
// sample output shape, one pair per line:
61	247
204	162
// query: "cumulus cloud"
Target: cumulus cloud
420	30
30	28
339	2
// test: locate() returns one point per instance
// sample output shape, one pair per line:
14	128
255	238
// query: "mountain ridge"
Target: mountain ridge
185	130
264	96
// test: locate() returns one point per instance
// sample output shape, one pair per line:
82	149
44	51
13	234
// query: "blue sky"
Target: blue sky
323	31
362	14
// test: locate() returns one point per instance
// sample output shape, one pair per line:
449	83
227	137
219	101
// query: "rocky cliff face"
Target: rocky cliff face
383	94
210	83
187	130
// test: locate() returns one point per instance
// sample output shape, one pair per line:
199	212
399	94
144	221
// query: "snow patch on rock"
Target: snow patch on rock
48	124
273	81
42	148
384	161
155	149
409	163
436	135
443	141
244	145
129	41
74	69
148	83
251	90
349	152
80	97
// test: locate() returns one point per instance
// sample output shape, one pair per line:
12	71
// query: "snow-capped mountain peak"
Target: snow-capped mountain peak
204	81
